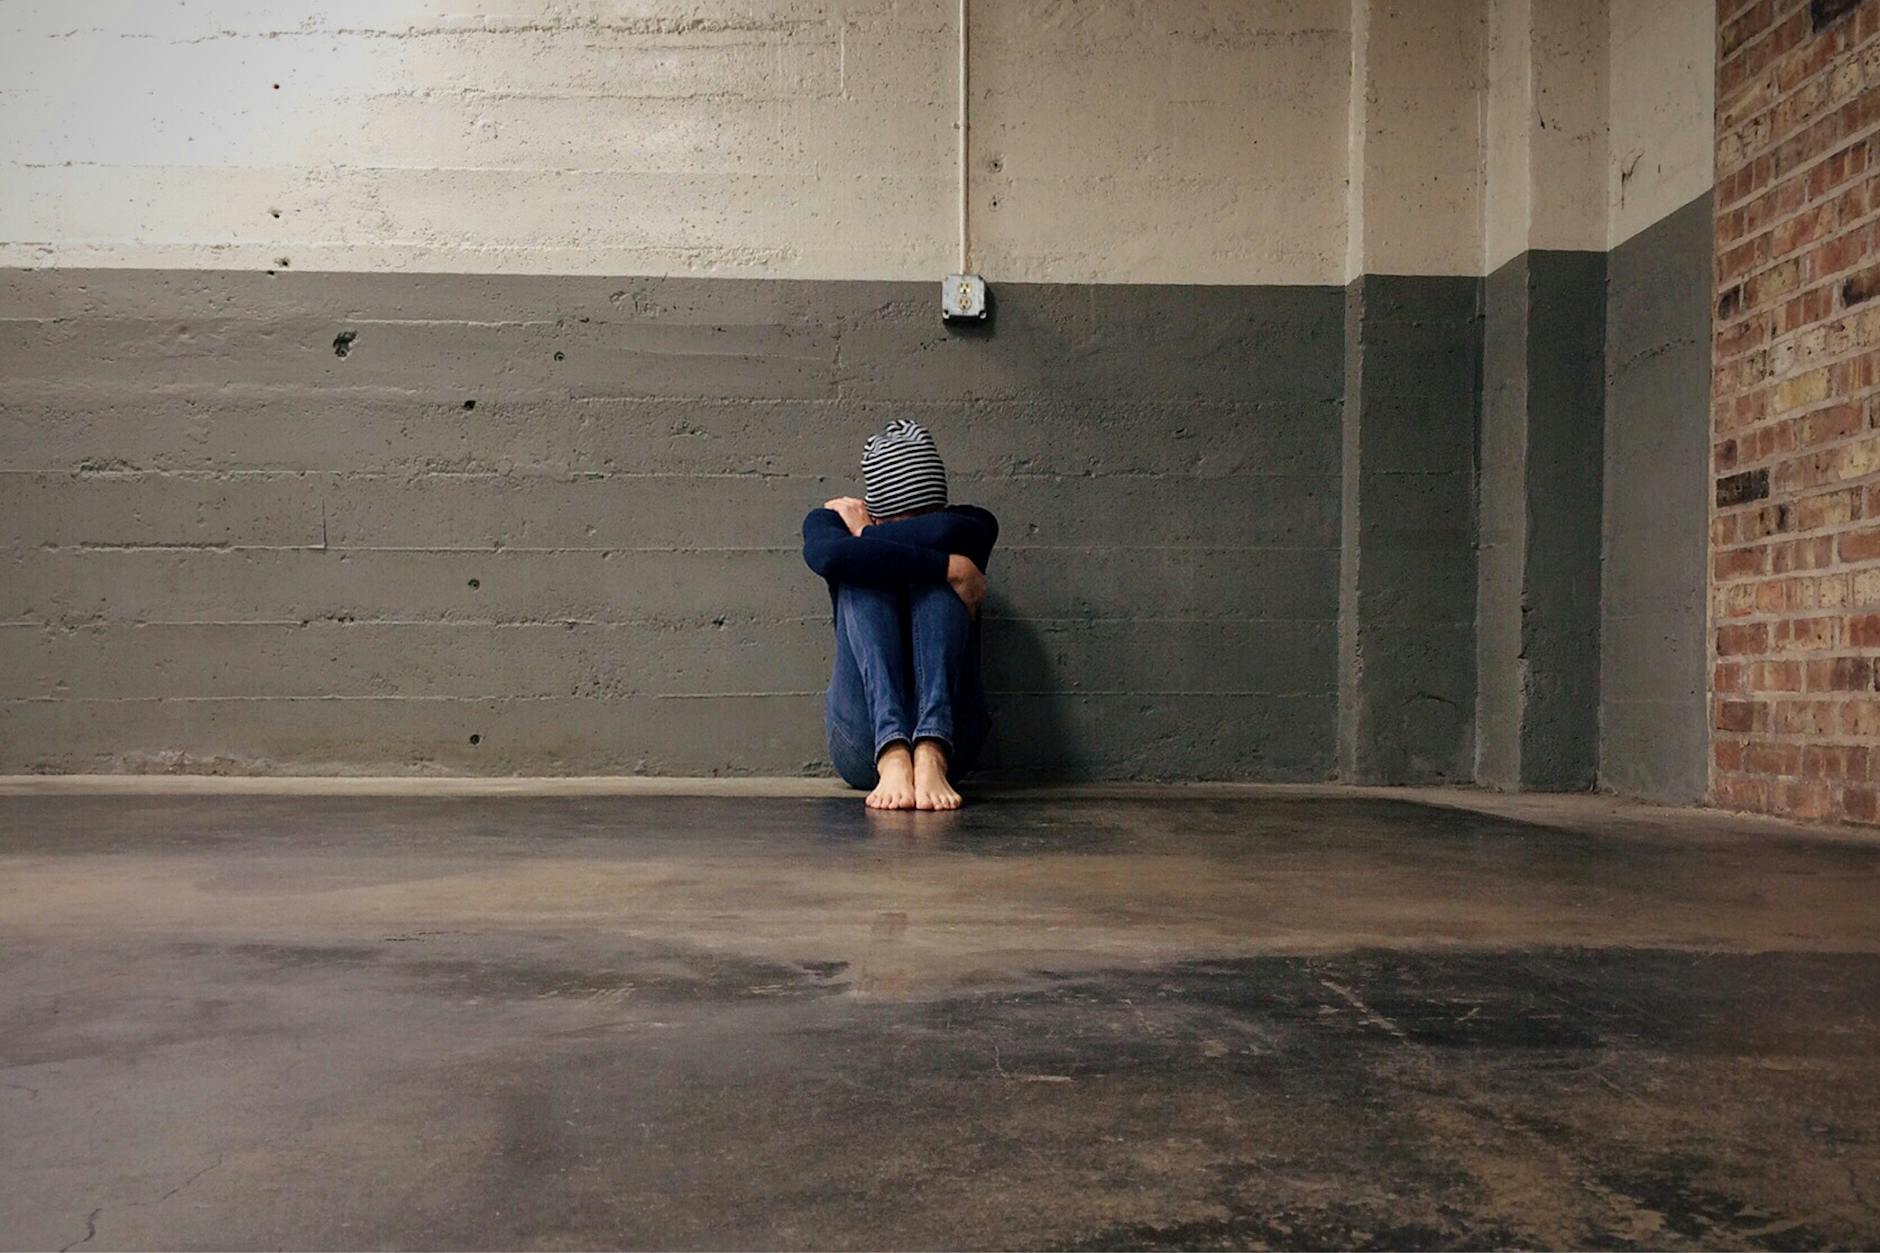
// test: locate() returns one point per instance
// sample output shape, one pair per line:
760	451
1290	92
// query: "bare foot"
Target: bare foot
931	789
896	787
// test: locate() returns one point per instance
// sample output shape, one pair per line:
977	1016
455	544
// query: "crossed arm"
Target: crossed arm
841	543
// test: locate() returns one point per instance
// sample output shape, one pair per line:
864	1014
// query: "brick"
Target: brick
1834	761
1728	676
1744	335
1835	256
1807	554
1805	229
1853	375
1739	489
1733	36
1750	255
1862	631
1803	635
1772	757
1761	523
1740	563
1741	792
1802	717
1827	509
1774	676
1849	162
1860	288
1860	717
1805	389
1727	754
1841	674
1754	638
1749	408
1862	545
1742	716
1802	798
1761	289
1804	310
1860	804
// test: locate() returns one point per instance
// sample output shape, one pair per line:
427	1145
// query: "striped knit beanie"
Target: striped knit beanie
902	471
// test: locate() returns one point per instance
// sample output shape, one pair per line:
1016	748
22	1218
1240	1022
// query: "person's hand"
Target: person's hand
854	512
967	582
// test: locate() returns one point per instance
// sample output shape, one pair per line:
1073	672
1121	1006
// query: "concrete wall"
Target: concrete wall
545	524
682	258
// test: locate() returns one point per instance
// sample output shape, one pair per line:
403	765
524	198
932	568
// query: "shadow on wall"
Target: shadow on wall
1033	734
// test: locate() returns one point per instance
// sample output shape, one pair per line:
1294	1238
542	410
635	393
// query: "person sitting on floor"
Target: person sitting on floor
906	712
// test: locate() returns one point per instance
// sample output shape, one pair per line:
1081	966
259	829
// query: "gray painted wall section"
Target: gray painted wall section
1408	577
1540	501
1654	737
1565	455
559	515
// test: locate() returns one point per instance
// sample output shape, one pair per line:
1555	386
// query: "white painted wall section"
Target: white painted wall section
1662	105
1185	140
1545	152
1200	141
1416	128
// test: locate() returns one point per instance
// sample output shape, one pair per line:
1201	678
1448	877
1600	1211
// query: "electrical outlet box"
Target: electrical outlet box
963	298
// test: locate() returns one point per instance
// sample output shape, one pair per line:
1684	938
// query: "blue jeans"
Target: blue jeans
907	668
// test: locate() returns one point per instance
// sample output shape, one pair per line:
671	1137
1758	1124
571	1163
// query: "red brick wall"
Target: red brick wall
1795	538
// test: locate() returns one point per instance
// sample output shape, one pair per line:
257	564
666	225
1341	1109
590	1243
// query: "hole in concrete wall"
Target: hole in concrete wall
343	342
274	213
475	583
282	262
561	356
468	405
277	86
476	739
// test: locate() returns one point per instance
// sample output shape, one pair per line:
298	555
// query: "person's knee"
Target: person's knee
939	605
868	600
853	760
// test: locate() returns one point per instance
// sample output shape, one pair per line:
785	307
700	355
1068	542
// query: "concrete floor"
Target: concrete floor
1087	1019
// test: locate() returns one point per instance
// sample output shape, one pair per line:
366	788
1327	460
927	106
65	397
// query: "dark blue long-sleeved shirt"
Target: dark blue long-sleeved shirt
913	550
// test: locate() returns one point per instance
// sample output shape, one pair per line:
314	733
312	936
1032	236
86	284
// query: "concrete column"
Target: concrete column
1412	343
1407	626
1543	372
1543	415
